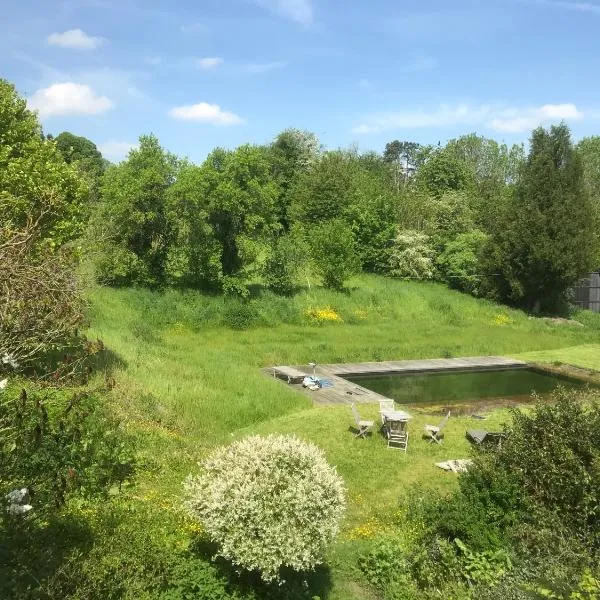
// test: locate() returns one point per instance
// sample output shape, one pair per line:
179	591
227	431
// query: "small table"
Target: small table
397	415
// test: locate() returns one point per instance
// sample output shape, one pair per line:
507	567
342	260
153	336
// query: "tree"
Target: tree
194	257
131	224
460	261
544	242
404	157
495	170
83	153
240	197
442	173
325	191
35	182
411	256
292	153
589	151
269	503
344	185
334	252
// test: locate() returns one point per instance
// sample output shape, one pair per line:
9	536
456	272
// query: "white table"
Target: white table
398	416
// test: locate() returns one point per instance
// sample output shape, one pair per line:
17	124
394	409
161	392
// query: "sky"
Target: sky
207	73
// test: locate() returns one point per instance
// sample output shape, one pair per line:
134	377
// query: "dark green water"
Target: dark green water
476	387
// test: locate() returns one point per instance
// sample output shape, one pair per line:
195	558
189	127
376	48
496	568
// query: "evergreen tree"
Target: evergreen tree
543	244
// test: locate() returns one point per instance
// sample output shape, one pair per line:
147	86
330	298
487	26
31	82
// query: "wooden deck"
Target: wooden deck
346	392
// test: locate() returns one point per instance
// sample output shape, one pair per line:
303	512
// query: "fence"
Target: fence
586	294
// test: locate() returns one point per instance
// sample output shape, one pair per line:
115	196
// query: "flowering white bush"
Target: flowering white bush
269	502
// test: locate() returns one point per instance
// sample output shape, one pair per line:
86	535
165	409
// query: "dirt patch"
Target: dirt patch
560	321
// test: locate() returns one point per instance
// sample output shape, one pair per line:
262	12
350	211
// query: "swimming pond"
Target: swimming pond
467	388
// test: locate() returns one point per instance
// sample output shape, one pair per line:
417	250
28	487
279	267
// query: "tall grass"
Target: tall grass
190	378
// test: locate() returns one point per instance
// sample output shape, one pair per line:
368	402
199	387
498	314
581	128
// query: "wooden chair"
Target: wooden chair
363	426
397	435
385	406
433	431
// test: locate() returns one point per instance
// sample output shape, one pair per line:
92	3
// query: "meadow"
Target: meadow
187	373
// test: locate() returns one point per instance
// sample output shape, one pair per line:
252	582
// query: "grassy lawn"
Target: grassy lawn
187	382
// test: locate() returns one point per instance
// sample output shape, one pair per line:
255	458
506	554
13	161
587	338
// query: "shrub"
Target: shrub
459	263
239	315
282	266
334	252
57	445
41	303
269	503
411	256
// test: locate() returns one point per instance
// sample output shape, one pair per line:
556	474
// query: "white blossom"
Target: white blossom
269	502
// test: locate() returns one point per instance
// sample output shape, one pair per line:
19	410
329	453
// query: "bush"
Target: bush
282	266
269	503
459	263
239	315
41	302
411	257
334	253
56	445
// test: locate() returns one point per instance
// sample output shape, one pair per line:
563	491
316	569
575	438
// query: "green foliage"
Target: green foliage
131	228
460	261
83	153
58	446
288	255
240	197
36	185
334	253
486	567
589	151
194	256
240	315
544	243
451	214
411	256
442	173
268	503
292	153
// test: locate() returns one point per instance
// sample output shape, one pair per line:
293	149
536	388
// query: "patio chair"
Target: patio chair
433	432
362	426
385	406
397	435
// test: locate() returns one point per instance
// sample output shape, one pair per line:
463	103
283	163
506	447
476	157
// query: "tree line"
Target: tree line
487	218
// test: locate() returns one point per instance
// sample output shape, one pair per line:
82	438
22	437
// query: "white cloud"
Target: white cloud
205	113
587	7
68	98
300	11
257	68
531	118
509	120
210	62
75	39
116	151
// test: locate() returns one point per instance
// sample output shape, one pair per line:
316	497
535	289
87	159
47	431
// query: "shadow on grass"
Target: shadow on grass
310	585
35	556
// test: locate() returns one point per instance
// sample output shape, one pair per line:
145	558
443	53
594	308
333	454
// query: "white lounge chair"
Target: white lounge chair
362	426
385	406
433	431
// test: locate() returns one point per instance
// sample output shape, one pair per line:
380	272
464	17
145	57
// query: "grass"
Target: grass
188	380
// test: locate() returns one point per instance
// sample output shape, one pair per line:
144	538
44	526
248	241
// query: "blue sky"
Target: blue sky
206	73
